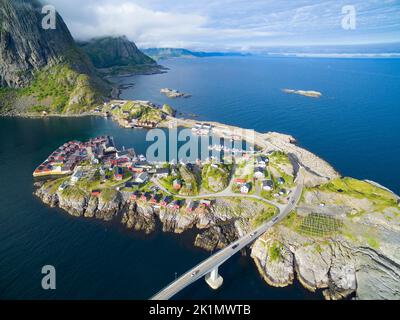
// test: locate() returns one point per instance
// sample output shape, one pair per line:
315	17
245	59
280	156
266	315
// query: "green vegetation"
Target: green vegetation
138	111
318	225
7	99
381	198
279	157
190	186
107	52
274	252
73	192
215	179
61	89
53	185
166	108
266	214
245	169
373	243
108	194
290	220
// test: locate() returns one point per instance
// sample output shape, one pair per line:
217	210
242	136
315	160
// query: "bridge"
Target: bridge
209	267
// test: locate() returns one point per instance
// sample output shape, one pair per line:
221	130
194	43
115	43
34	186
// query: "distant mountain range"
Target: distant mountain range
167	53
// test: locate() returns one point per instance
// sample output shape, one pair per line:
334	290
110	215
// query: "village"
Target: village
97	167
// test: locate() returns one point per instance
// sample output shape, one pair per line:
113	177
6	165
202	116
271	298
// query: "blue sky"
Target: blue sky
232	24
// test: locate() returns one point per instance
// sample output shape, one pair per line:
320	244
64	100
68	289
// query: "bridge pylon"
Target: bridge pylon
213	279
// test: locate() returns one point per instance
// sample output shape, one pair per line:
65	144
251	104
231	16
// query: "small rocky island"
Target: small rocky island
343	236
173	94
310	93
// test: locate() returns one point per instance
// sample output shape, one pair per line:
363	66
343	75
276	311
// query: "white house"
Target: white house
267	185
162	172
259	173
261	162
78	174
245	188
142	178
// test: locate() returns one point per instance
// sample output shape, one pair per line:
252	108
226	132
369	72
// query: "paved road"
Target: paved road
221	256
226	193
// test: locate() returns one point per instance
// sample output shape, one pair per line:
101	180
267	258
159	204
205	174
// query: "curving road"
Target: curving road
221	256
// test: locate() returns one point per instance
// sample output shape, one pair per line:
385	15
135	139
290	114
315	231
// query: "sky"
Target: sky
234	25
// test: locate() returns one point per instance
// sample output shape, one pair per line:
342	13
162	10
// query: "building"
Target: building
176	205
281	180
240	181
142	177
162	173
205	203
145	197
143	164
245	188
135	195
128	154
268	185
166	201
282	192
96	193
259	173
261	161
191	206
118	173
177	184
155	198
78	174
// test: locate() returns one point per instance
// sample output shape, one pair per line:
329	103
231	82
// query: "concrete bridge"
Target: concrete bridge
209	267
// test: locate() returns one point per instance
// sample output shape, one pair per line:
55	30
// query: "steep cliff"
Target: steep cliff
56	76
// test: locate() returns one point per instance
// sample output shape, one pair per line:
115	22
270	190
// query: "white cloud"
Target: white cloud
227	24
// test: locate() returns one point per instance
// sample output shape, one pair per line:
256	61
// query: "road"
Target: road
221	256
226	193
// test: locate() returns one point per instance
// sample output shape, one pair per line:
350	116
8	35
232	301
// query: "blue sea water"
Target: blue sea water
354	126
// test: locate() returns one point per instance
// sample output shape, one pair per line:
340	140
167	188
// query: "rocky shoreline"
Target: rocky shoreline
361	261
215	230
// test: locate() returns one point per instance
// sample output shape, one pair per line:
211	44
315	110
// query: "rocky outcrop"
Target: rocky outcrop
26	49
25	46
277	272
340	267
317	170
216	237
175	221
139	218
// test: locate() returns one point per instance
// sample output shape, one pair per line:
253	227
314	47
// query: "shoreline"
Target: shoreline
264	141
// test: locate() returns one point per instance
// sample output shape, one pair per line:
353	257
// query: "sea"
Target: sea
354	126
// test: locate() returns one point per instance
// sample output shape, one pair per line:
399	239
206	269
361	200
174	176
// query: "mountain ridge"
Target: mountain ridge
43	69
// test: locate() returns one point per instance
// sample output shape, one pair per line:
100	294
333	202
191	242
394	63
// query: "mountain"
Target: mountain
109	52
119	55
42	70
167	53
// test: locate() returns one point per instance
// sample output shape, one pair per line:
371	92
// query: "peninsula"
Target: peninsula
341	237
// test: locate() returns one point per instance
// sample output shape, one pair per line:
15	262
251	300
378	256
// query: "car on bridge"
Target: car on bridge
195	273
235	246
